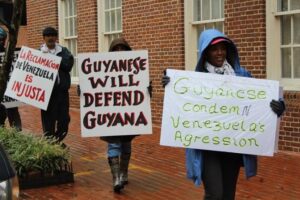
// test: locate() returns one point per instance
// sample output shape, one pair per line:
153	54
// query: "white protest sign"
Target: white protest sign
219	112
114	98
7	101
33	77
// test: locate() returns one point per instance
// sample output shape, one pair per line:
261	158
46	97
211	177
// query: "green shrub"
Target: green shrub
30	153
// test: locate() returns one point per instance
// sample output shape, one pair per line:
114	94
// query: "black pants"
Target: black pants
2	114
56	119
220	174
14	118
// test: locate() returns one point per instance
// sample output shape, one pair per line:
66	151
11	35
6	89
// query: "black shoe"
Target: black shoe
118	188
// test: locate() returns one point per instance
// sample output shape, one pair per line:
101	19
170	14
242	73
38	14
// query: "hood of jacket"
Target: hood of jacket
205	39
119	41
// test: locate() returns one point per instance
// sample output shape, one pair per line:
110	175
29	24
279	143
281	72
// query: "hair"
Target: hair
119	42
50	31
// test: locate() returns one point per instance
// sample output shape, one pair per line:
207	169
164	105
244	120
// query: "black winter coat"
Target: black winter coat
65	68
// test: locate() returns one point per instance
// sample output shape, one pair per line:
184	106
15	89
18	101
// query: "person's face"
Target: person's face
216	54
50	41
120	48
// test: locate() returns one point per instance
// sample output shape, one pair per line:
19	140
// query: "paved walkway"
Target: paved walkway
156	172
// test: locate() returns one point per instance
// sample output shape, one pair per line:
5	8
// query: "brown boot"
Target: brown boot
125	158
115	171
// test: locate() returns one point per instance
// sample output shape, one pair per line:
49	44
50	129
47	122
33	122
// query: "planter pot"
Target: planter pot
37	179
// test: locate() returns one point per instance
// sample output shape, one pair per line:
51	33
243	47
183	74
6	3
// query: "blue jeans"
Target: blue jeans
116	149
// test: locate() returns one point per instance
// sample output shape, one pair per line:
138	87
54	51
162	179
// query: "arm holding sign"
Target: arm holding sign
149	88
65	68
67	60
278	107
165	79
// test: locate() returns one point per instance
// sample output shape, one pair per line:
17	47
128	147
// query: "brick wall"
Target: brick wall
158	27
22	39
40	14
245	25
87	26
289	138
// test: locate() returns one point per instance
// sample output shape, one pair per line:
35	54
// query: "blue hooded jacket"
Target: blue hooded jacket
194	157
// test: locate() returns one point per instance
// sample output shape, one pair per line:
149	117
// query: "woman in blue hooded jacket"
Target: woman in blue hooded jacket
219	170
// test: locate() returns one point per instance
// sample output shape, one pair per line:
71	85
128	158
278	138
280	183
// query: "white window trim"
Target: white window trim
101	29
190	34
61	31
207	21
61	23
102	39
273	60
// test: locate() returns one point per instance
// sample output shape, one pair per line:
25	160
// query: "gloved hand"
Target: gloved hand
165	79
78	90
150	89
278	107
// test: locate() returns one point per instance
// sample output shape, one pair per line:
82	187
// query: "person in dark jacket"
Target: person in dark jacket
55	120
12	113
219	170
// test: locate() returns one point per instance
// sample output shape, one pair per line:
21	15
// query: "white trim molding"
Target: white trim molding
273	51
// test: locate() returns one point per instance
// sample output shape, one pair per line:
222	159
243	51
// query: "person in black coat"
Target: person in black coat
56	119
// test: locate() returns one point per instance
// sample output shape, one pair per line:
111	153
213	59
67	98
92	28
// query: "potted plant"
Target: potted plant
38	161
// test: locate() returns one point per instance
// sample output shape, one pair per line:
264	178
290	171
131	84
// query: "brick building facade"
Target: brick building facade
159	27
